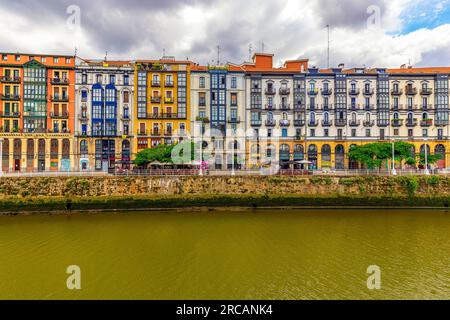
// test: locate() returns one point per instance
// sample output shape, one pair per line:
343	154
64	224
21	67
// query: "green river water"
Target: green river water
272	254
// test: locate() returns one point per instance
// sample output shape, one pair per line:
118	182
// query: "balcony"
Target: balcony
57	115
162	116
411	123
383	122
155	133
156	84
270	123
299	123
9	114
169	84
299	106
313	92
312	107
285	123
270	92
59	81
285	91
340	138
234	120
142	133
202	119
442	138
368	92
354	123
354	92
426	122
396	92
256	123
397	122
285	107
368	123
369	107
155	99
60	98
168	133
83	117
9	79
270	107
314	123
341	123
410	91
354	107
426	91
327	92
10	97
168	100
326	107
124	117
441	123
327	123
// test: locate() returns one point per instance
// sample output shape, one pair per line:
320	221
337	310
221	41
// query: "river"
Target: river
264	254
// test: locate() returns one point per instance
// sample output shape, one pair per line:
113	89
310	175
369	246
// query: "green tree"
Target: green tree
431	158
161	153
374	155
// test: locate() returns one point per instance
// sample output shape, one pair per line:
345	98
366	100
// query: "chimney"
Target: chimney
341	65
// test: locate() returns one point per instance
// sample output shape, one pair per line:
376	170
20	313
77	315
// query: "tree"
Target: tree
431	159
165	153
374	155
161	153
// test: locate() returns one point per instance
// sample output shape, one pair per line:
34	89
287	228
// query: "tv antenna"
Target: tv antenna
328	46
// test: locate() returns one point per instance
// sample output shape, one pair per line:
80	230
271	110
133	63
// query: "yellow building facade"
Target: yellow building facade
162	102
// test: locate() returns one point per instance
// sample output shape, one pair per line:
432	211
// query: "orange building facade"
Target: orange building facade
37	112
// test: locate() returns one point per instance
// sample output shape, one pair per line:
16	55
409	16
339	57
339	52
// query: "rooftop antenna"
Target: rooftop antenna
106	56
262	46
328	46
164	52
250	52
218	55
76	52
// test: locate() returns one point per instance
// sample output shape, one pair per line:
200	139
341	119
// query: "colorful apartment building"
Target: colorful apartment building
104	113
37	112
300	114
218	113
162	100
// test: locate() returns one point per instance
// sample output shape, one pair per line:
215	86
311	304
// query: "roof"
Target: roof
427	70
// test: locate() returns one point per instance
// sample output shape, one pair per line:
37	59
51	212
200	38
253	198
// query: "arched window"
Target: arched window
312	116
340	157
270	116
270	152
396	116
326	155
84	148
299	152
284	116
54	146
440	150
368	117
353	117
326	117
66	149
5	155
424	116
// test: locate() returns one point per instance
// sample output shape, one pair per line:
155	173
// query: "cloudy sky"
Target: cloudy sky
363	32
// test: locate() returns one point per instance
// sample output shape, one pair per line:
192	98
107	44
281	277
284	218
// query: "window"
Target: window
112	79
4	57
233	82
56	60
17	57
126	97
353	132
126	79
202	82
234	99
326	132
425	132
368	133
284	133
84	95
99	78
312	132
84	78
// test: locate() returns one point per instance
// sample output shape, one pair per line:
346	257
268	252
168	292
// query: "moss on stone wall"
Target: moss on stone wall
87	193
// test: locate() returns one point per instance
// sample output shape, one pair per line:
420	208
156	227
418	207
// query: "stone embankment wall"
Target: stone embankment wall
114	192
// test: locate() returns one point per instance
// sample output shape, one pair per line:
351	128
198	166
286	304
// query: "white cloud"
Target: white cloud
193	28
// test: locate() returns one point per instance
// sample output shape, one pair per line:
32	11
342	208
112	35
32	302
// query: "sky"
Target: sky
370	33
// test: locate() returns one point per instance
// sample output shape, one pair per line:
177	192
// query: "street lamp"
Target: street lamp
427	172
394	171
